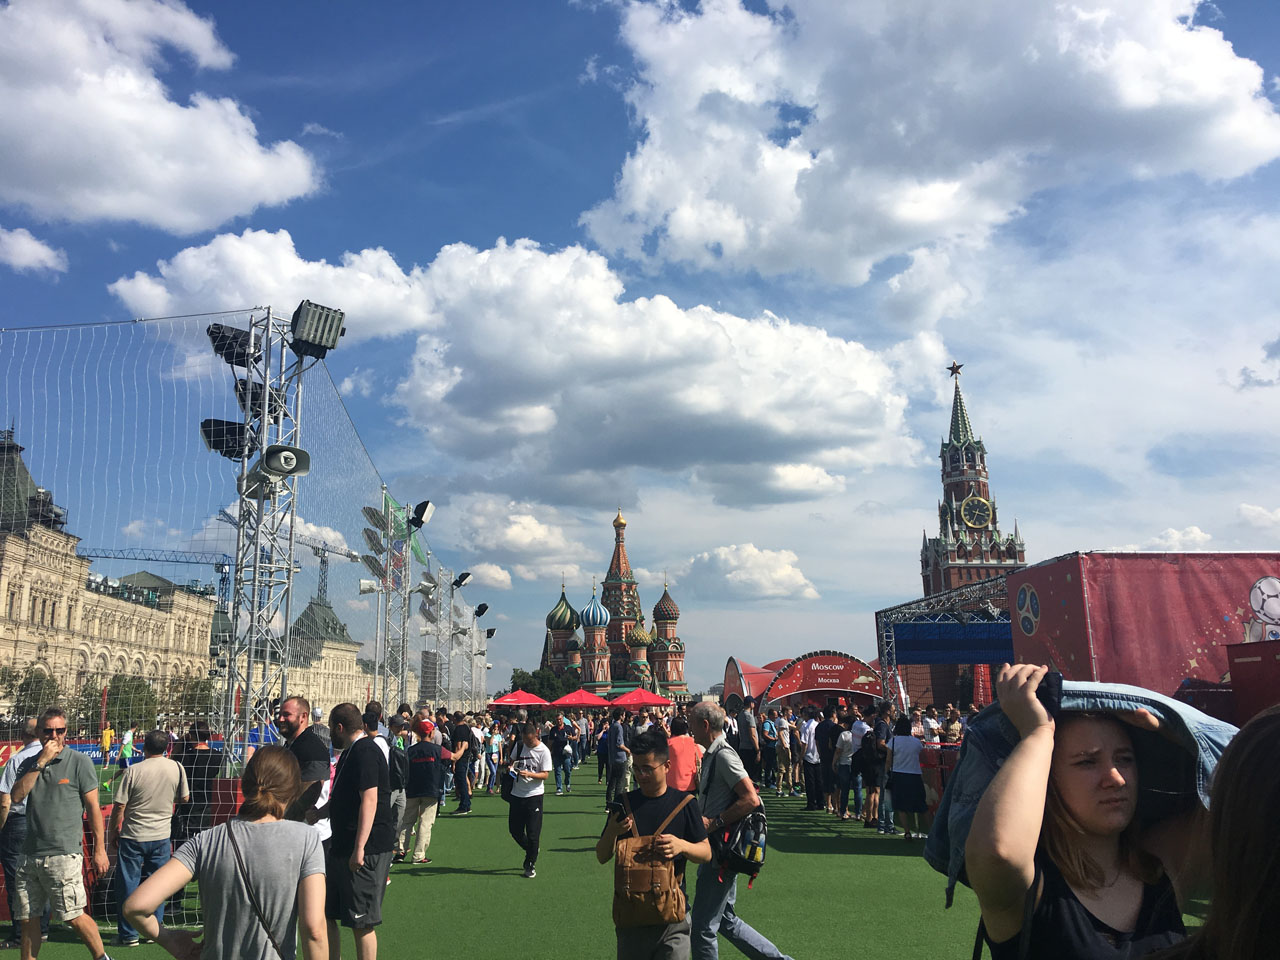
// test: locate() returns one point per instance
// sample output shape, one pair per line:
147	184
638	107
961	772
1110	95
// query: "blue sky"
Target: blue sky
706	261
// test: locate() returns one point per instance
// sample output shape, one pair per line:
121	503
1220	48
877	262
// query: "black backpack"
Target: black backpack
867	751
739	847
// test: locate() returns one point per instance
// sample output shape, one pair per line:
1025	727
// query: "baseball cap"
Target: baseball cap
424	728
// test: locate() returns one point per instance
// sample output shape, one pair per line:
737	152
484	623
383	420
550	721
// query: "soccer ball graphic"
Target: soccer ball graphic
1028	606
1265	600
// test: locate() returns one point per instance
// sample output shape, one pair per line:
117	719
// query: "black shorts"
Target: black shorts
828	776
355	899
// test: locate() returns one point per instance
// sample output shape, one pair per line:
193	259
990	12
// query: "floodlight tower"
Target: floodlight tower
273	352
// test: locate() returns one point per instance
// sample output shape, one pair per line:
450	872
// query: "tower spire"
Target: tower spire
961	428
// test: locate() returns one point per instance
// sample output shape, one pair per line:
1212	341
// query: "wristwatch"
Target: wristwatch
717	823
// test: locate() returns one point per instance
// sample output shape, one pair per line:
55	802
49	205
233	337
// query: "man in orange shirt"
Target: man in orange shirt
684	757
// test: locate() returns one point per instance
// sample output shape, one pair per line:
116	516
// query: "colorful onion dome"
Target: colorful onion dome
618	522
665	610
639	637
562	616
594	614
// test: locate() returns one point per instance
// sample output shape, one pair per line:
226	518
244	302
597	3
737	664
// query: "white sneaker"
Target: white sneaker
530	873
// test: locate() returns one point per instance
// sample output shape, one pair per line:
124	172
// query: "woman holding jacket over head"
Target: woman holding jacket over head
1055	834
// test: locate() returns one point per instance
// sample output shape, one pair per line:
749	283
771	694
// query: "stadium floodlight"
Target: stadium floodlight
424	587
374	541
375	518
461	631
370	586
427	613
461	578
315	329
374	566
488	666
249	396
228	438
488	634
422	514
232	345
482	609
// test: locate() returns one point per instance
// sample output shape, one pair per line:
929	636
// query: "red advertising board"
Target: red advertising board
1149	619
1255	677
824	672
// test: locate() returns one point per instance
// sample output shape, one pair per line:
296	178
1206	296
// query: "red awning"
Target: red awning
641	698
580	698
519	698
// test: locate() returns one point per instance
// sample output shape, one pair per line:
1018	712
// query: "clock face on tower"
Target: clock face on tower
976	512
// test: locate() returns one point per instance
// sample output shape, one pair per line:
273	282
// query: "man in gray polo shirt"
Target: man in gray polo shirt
62	784
726	795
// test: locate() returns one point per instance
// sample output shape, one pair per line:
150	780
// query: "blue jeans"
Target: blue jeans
492	763
713	913
564	767
135	861
11	837
886	809
846	779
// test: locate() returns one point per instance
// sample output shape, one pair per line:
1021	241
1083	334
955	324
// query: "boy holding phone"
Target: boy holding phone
683	839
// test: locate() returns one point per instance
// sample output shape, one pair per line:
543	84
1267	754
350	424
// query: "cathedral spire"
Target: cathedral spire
961	428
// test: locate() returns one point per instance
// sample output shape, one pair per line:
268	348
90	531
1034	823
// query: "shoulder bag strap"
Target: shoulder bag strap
1024	935
626	805
672	815
253	896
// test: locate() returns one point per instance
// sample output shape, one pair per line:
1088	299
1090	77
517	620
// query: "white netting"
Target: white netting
109	418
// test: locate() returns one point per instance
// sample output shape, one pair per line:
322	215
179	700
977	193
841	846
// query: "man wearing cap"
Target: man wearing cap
424	787
319	727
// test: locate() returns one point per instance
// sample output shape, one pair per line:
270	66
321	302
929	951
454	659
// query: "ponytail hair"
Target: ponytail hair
271	782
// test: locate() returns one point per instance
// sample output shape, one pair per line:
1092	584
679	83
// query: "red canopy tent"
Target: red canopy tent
580	698
641	698
519	698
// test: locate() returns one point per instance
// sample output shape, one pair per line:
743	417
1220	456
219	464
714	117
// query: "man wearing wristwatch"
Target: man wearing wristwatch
60	784
726	795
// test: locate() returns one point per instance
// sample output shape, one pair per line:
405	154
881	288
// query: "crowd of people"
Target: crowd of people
1056	855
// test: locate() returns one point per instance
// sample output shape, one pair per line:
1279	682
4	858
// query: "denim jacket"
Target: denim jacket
1170	776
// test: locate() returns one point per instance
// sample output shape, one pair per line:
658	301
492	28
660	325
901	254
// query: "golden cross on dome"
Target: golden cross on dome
955	369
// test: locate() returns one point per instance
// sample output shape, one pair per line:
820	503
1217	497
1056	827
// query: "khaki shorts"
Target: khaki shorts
57	881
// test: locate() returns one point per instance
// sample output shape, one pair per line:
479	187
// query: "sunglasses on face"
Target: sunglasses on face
54	731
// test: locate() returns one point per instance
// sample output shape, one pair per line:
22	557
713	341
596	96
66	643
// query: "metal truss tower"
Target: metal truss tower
395	660
262	578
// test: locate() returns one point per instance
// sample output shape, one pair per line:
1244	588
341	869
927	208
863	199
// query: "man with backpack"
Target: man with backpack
769	750
726	795
398	770
660	828
619	754
462	747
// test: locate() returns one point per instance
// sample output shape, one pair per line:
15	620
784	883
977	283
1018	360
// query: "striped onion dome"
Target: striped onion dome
562	616
665	610
594	614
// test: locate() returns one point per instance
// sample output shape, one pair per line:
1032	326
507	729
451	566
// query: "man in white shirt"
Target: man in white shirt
13	827
531	764
932	725
812	760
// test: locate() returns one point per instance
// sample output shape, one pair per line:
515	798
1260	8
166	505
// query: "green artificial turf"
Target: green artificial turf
828	888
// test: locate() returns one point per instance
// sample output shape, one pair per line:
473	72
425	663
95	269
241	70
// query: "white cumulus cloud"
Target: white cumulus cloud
110	143
824	136
1259	517
23	252
491	575
533	365
746	572
1172	540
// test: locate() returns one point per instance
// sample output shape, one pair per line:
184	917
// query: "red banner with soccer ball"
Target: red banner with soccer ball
1150	619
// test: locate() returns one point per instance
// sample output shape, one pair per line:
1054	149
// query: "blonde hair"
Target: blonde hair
1059	830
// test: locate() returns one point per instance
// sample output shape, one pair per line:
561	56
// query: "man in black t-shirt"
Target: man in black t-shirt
461	747
293	720
359	811
826	734
683	839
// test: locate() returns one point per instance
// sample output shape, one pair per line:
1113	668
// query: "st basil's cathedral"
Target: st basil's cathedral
616	653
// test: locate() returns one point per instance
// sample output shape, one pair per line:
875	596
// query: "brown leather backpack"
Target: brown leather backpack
646	891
